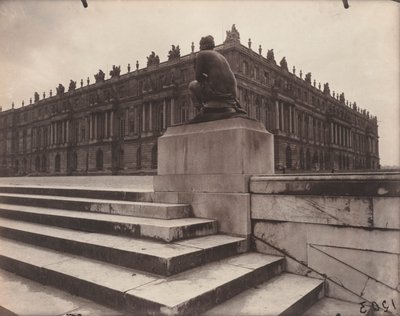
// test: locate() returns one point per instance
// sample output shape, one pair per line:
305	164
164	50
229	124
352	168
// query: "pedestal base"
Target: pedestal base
208	165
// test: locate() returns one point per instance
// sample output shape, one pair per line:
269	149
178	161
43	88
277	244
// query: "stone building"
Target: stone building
112	125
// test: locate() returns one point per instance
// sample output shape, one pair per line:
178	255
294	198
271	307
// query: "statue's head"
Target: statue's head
207	43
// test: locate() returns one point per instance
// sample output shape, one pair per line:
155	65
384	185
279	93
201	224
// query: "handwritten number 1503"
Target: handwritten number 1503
385	306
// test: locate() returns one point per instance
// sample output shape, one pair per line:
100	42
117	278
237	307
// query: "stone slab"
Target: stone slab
347	211
377	265
167	230
280	234
24	297
375	184
128	208
329	306
231	146
283	295
205	183
387	212
203	287
117	193
150	256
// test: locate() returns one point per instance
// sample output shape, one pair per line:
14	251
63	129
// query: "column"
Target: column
90	127
106	124
295	121
277	114
281	117
172	111
164	121
150	116
143	118
51	133
290	119
112	124
67	131
95	126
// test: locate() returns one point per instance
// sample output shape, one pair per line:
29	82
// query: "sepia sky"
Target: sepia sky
44	43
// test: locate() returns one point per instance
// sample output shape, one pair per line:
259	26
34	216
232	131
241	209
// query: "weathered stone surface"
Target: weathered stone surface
129	208
21	296
329	306
231	146
288	236
215	183
287	294
336	184
377	265
348	211
345	275
387	212
202	288
167	230
145	255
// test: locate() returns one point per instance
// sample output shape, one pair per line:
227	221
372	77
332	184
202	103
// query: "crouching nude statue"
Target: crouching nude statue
215	86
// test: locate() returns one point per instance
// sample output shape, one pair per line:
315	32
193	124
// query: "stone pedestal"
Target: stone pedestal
209	165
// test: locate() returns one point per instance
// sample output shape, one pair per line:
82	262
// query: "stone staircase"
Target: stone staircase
122	250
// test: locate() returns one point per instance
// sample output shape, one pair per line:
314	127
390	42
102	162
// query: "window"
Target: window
57	163
288	157
154	157
139	158
99	159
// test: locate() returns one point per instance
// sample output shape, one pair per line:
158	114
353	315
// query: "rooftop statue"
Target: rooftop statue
270	55
174	53
232	35
36	97
283	64
99	76
60	89
72	85
215	86
326	88
342	98
308	77
153	59
115	72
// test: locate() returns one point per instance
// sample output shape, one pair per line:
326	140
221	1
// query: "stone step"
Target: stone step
82	192
286	294
329	306
146	255
160	229
129	208
20	296
189	293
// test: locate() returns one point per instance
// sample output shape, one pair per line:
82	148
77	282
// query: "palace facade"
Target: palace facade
111	126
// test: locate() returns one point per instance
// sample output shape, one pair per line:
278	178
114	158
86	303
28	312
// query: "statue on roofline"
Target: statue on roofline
308	78
215	88
283	64
115	72
36	97
153	59
174	53
270	55
326	88
232	35
99	77
72	85
60	89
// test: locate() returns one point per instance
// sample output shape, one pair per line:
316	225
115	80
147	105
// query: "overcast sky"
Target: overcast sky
43	43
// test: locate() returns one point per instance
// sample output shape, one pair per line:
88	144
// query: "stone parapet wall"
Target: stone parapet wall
344	228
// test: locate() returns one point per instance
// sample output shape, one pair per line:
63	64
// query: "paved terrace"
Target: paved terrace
117	183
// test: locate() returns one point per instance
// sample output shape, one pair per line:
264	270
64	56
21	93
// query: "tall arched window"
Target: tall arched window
57	163
288	157
308	159
302	165
154	157
44	163
99	159
37	163
139	158
74	162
